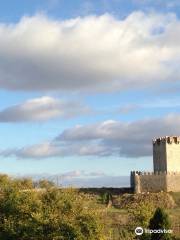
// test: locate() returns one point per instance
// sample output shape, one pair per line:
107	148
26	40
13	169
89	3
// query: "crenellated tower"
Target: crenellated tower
166	154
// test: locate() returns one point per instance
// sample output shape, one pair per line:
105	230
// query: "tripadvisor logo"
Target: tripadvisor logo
139	231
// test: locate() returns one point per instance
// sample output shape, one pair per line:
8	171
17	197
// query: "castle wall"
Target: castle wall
173	182
153	183
150	182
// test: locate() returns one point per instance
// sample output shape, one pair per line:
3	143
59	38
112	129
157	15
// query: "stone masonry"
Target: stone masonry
166	161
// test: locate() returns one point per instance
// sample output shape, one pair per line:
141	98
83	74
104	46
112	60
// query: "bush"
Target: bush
51	214
140	214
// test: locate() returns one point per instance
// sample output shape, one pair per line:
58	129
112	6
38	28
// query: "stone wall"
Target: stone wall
155	182
173	182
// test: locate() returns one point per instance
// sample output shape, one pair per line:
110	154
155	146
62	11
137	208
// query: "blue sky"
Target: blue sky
86	85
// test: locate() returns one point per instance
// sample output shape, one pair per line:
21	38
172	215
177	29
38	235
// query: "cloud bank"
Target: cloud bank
42	109
94	53
109	138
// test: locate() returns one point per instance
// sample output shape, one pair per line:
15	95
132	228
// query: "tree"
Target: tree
106	198
5	181
24	183
160	220
46	183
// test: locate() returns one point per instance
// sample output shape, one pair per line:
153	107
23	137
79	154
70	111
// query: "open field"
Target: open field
117	216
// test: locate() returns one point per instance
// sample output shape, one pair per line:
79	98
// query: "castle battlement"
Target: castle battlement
154	173
166	139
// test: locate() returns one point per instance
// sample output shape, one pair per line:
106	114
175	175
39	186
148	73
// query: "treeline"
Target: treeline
24	183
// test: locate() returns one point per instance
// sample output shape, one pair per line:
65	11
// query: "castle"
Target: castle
166	161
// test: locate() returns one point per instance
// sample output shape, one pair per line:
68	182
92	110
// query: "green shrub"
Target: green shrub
160	220
51	214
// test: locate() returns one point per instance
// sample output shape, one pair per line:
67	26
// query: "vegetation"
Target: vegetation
176	197
35	211
141	213
160	220
106	198
45	184
49	214
131	210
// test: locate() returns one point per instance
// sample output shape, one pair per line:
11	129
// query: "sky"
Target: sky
85	86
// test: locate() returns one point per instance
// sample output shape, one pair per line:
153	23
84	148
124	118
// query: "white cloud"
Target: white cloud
81	174
109	138
94	53
65	175
42	109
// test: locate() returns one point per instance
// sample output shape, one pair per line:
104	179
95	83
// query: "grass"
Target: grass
117	218
176	197
118	211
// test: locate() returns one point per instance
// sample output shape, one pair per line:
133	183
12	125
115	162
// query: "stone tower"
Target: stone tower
166	175
166	154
